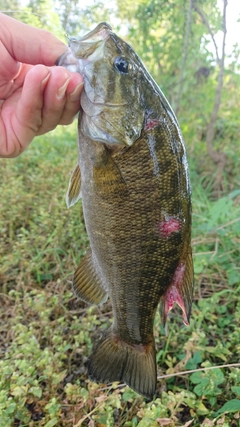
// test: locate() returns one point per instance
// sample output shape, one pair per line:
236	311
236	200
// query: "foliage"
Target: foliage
157	30
47	335
60	17
39	13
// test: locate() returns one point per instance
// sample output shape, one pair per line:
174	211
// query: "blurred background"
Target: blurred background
192	49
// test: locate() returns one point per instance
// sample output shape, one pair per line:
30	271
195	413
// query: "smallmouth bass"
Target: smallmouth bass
132	175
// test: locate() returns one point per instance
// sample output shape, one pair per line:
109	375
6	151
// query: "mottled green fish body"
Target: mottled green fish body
136	201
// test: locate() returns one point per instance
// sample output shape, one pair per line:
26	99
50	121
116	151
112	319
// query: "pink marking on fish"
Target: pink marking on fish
174	294
168	226
151	123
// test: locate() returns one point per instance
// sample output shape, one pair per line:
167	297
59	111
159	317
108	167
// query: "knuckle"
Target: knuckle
66	120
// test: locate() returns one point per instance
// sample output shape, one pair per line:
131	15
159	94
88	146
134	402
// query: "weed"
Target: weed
46	334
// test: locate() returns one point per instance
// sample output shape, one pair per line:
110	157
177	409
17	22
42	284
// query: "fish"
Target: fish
132	175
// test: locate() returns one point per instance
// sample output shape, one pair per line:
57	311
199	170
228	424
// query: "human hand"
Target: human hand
35	95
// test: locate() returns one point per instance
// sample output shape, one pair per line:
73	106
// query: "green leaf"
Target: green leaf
234	194
236	389
230	406
36	391
201	409
129	395
198	377
233	277
200	389
10	408
146	422
52	422
194	361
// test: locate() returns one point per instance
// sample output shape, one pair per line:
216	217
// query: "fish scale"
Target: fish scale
136	203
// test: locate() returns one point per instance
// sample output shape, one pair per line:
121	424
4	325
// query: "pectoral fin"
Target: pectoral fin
107	175
74	188
86	283
180	291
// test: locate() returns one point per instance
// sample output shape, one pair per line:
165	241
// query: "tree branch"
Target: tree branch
216	156
205	21
185	53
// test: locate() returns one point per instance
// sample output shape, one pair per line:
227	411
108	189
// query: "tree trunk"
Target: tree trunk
185	53
217	157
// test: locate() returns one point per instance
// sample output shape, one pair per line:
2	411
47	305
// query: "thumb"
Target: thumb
9	67
29	44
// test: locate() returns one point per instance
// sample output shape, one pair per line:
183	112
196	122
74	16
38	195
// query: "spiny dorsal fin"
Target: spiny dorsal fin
74	188
86	282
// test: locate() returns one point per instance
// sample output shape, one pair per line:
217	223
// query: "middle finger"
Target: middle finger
55	95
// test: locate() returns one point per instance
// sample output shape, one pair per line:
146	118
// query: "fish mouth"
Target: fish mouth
99	33
86	49
89	46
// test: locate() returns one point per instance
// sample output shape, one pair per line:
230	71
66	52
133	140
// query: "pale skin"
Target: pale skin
35	95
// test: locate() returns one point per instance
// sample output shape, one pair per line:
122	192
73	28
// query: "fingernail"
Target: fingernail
75	95
62	90
44	82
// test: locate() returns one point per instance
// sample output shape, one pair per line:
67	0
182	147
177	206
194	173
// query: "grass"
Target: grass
46	334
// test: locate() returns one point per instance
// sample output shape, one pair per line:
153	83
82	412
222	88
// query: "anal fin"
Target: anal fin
179	291
86	282
74	188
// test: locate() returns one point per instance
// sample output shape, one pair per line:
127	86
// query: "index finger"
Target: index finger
29	44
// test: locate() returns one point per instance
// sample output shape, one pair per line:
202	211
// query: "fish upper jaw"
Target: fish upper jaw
100	33
91	46
85	50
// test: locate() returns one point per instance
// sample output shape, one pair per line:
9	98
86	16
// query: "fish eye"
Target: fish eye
121	64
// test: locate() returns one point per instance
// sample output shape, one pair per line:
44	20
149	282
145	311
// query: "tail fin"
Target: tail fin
116	360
